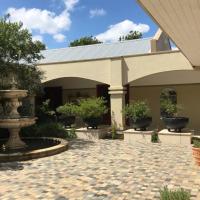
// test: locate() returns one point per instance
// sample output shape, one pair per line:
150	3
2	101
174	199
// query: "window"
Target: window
167	94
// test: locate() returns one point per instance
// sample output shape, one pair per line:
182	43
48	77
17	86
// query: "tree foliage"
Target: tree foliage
18	56
85	41
132	35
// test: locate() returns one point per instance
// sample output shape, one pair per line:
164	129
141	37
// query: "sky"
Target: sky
58	22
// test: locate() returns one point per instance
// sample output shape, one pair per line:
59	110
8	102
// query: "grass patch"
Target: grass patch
179	194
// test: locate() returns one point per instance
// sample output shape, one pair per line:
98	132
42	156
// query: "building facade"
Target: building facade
123	72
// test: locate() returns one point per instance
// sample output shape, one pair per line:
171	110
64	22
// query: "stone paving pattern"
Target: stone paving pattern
102	170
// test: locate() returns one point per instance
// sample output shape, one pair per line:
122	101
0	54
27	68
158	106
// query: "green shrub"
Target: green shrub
4	133
114	131
31	131
47	130
179	194
154	137
196	143
69	109
92	108
137	110
71	133
45	114
168	108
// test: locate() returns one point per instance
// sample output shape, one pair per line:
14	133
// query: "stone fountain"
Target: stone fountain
11	119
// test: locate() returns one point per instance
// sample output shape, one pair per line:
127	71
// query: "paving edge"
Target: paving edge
39	153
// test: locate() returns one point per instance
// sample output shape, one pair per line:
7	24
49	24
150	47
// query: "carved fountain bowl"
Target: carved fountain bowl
12	94
17	123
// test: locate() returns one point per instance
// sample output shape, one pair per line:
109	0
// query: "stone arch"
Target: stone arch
169	77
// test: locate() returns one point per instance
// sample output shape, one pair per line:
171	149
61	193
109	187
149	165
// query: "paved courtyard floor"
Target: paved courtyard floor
103	170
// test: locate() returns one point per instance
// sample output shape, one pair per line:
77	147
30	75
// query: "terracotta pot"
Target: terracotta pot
196	155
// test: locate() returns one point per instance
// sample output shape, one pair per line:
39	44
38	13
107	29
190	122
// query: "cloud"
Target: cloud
44	21
38	38
70	4
97	12
59	37
122	28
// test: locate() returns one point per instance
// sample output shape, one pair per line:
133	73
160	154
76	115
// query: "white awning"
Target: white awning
180	20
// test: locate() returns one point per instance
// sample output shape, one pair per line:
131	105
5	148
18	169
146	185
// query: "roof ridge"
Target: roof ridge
99	44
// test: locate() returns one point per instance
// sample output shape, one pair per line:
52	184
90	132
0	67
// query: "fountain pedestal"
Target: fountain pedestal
14	141
11	119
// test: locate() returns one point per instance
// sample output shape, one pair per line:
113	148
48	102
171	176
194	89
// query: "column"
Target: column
117	101
117	93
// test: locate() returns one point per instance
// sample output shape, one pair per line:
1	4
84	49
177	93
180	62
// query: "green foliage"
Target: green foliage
44	113
196	143
179	194
71	133
4	133
51	129
69	109
18	56
154	137
131	36
137	110
85	41
168	107
114	131
92	108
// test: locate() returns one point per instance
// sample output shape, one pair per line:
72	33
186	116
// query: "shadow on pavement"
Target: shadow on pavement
80	144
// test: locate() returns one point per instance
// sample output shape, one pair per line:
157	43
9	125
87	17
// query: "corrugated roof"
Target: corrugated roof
96	51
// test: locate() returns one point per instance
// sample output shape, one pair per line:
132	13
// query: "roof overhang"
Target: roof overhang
180	21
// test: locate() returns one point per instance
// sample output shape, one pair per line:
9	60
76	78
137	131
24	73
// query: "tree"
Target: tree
18	56
131	36
85	41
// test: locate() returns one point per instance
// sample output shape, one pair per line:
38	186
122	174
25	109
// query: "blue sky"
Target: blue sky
57	22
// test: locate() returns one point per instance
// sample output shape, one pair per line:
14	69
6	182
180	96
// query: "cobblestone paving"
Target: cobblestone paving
103	170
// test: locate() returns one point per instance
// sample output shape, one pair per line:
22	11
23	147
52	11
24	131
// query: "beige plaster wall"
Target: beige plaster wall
144	65
187	95
97	70
71	83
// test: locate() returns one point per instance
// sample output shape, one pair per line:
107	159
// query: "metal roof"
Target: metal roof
96	51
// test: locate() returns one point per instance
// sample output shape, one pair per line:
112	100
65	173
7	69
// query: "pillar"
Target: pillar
117	93
117	101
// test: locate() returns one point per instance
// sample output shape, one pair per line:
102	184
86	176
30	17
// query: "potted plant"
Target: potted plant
67	114
91	111
172	121
196	151
138	114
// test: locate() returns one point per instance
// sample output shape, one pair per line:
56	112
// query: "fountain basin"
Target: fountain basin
12	94
36	148
17	123
14	126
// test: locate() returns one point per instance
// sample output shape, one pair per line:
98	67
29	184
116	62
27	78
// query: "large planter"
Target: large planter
175	123
196	155
92	122
67	121
141	124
